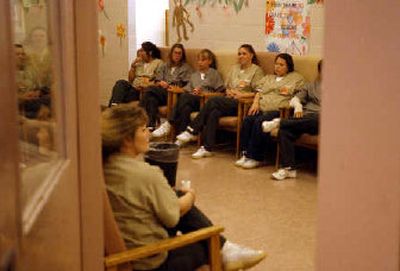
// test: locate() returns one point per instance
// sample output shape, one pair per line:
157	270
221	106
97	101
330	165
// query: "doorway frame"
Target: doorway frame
80	55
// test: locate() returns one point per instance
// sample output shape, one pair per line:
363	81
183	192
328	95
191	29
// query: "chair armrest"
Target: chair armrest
207	95
175	89
161	246
248	100
146	85
172	98
248	96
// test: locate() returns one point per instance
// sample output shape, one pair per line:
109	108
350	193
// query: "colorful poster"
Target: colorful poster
287	26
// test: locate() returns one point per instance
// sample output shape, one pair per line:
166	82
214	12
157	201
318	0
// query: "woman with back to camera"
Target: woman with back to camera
146	208
143	70
174	72
274	91
240	83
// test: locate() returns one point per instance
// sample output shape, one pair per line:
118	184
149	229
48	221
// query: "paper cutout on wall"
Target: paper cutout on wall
121	32
236	4
180	19
102	43
30	3
198	12
287	26
34	7
102	4
315	2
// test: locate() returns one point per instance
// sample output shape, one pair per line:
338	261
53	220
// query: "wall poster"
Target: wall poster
287	26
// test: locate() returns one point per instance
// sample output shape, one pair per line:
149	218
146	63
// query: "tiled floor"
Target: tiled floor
278	217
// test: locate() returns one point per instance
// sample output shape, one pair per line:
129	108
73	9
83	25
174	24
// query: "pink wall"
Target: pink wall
360	150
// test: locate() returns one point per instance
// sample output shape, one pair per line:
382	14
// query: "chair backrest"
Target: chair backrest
113	242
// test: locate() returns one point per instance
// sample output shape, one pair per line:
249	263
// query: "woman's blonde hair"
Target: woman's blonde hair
117	124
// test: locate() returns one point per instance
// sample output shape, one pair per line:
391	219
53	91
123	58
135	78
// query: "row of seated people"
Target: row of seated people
245	80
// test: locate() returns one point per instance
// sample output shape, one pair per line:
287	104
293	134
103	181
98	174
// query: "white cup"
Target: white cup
185	184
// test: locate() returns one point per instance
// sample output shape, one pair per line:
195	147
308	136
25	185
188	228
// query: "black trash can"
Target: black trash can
165	155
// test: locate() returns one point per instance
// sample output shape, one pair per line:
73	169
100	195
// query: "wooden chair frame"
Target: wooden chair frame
243	107
164	110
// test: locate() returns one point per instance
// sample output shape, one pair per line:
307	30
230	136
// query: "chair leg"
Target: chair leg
215	253
238	144
172	134
277	156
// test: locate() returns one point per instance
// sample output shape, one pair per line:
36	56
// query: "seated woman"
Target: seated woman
240	83
146	208
274	91
305	121
175	72
33	93
205	79
142	72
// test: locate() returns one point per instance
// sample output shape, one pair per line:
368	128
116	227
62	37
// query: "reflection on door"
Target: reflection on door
58	223
39	98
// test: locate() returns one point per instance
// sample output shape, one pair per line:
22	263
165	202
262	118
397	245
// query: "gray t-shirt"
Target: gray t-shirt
310	97
179	75
209	81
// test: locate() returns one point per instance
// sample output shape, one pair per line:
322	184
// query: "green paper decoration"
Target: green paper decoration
236	4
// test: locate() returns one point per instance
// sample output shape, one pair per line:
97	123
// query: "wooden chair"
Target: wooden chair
234	123
173	93
119	258
229	123
164	110
305	140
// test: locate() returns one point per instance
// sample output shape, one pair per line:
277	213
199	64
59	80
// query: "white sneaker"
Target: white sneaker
241	161
201	153
163	130
284	173
251	163
179	143
235	257
185	137
268	126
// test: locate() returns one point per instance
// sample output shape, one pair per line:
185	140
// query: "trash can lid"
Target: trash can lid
163	152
